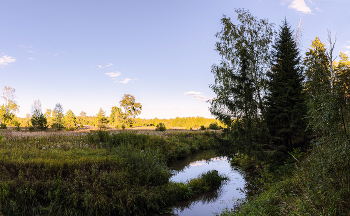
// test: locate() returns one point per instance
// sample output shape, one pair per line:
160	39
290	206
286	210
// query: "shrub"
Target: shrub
202	127
3	126
17	128
38	120
160	127
214	126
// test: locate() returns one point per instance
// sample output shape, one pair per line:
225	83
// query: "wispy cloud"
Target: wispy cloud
301	6
99	66
320	10
125	81
55	54
347	47
198	96
110	64
31	58
113	74
5	60
24	46
193	93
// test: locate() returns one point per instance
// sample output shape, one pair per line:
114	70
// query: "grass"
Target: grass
97	173
317	183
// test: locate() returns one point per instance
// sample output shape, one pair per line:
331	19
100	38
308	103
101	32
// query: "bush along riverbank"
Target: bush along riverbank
100	173
313	183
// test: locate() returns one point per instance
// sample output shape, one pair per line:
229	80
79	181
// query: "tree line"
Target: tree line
57	119
124	116
272	100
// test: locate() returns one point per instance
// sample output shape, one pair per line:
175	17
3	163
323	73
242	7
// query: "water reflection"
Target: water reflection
209	203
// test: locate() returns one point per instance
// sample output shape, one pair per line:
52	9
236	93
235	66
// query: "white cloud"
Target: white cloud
192	93
99	66
25	46
113	74
5	60
110	64
301	6
318	9
32	51
31	58
347	52
198	96
125	81
347	47
55	54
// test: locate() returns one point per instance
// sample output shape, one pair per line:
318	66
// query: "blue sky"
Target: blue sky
88	54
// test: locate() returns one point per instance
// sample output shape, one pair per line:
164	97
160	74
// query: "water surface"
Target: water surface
214	202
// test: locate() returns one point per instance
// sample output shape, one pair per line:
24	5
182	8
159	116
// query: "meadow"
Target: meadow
97	172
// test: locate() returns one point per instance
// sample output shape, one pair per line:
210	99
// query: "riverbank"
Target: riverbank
99	172
312	183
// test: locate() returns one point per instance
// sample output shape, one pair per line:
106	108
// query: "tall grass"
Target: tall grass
100	173
314	184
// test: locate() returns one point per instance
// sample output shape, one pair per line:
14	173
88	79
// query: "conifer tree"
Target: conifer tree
285	101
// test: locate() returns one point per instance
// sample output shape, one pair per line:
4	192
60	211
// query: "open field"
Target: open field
96	172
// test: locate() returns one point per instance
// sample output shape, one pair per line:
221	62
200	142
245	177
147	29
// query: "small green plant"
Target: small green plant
123	126
202	127
160	127
17	128
3	126
1	136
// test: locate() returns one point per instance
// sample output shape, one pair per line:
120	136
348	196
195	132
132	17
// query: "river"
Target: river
231	193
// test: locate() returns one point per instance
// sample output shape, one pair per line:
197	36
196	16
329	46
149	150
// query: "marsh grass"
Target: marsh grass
98	173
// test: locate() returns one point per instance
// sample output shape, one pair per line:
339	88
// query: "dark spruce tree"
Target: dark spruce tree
285	103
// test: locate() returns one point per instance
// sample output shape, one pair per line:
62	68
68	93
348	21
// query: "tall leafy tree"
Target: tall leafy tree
285	102
8	110
131	108
240	82
57	115
252	35
70	121
101	120
116	116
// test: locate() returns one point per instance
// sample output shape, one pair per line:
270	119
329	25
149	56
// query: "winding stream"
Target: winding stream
227	196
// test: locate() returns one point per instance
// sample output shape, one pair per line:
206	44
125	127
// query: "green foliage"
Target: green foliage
202	127
3	126
38	120
285	102
1	136
101	120
214	126
70	121
131	108
57	115
160	127
100	173
116	117
17	128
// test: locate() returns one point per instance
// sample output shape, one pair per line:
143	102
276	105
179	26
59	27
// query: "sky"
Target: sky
86	54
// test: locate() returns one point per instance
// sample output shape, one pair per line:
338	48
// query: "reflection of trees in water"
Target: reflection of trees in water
251	187
204	198
182	164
